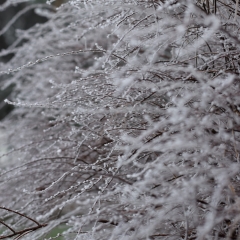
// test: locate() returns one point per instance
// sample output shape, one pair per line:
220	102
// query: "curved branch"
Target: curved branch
23	232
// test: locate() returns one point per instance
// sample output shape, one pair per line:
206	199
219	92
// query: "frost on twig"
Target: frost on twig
126	121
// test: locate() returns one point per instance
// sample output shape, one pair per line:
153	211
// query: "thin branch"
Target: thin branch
7	226
10	210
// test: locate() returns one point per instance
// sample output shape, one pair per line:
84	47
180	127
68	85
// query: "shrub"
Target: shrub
126	123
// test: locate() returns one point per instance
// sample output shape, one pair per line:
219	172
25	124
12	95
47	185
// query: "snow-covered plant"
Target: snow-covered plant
126	122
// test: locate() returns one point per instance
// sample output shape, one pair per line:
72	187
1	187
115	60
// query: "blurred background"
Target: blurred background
25	18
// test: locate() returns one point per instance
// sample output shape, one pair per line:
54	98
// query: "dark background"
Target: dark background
25	21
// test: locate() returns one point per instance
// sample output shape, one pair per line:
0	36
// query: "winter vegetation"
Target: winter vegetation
126	122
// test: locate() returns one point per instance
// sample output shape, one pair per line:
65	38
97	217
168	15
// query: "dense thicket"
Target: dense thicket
126	123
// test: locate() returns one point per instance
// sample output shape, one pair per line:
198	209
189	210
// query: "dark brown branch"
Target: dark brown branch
10	210
7	226
20	233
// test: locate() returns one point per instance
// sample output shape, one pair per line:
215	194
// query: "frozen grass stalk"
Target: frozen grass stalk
126	122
